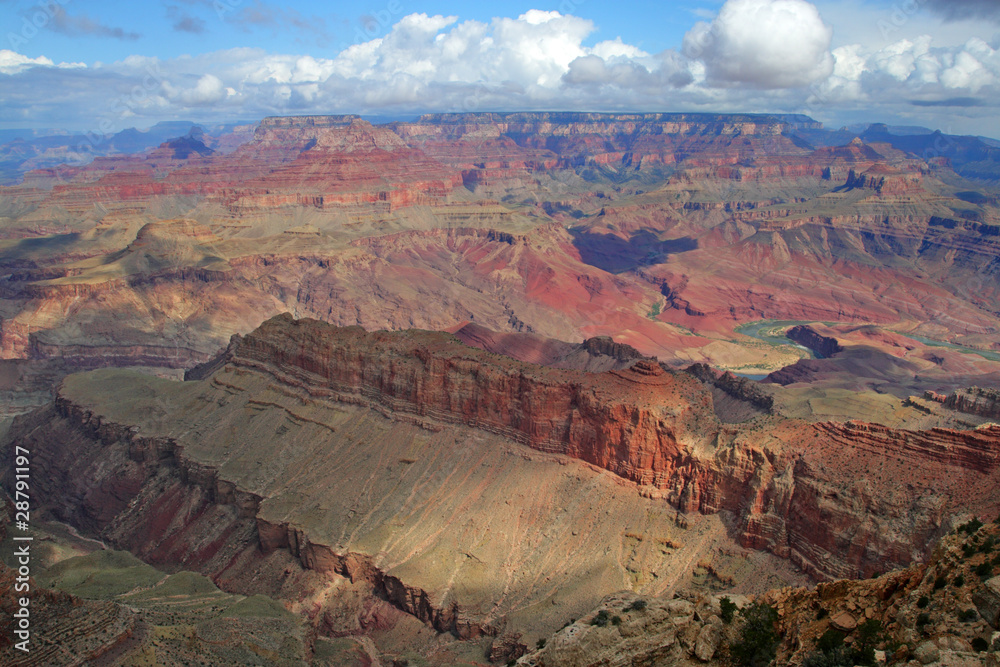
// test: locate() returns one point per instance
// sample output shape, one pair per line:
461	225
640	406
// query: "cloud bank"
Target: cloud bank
755	55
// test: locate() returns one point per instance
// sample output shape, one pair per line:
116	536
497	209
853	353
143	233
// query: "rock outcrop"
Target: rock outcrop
803	491
637	422
982	401
821	346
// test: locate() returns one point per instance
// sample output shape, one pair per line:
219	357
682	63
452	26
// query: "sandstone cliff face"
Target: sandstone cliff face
636	422
837	499
822	346
982	401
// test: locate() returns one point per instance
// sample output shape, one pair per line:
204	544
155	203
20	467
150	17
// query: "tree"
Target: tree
868	637
758	643
728	609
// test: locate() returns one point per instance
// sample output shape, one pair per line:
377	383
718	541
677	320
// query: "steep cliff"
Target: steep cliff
837	499
982	401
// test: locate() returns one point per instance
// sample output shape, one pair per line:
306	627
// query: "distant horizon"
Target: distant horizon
383	119
103	67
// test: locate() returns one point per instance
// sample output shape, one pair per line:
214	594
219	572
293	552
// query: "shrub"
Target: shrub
971	526
728	609
968	550
540	644
838	657
923	602
601	619
830	640
958	581
987	545
984	570
869	634
923	619
980	645
967	615
638	605
616	620
832	652
939	583
758	641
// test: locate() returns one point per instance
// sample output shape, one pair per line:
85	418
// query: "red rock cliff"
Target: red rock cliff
638	423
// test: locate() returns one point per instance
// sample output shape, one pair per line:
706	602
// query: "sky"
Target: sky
105	66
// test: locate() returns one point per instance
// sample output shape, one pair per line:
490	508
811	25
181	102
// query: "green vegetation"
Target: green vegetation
101	575
830	640
984	570
967	615
832	652
758	642
958	581
655	312
979	645
638	605
869	635
940	583
838	657
601	619
616	620
728	609
923	602
540	644
258	606
970	526
923	619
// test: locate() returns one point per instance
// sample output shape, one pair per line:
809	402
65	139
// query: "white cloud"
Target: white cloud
616	48
538	60
12	62
208	90
763	43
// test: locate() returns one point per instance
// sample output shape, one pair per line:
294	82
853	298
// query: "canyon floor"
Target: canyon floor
328	392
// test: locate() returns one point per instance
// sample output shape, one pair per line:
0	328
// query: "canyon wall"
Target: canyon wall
837	499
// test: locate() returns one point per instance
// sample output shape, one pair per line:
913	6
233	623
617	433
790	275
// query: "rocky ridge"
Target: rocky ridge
941	613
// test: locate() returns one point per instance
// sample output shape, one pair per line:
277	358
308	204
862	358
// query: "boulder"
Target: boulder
987	601
708	642
844	622
927	653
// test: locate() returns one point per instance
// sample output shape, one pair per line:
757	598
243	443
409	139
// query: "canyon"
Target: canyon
566	225
455	483
433	390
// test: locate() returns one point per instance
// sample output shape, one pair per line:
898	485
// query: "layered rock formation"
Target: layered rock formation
635	422
422	431
981	401
822	346
939	613
664	231
594	354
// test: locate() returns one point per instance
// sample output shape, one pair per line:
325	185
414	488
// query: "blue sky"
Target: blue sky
175	28
108	65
